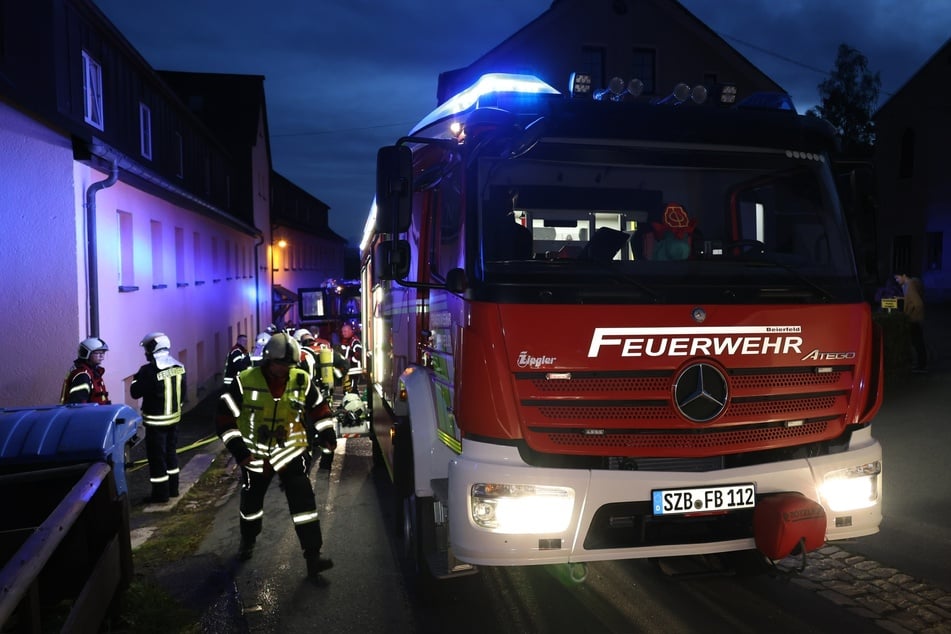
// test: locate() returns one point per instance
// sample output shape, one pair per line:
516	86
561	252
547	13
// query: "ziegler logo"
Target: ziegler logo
526	360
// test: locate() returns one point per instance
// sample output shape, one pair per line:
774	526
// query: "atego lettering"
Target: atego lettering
696	342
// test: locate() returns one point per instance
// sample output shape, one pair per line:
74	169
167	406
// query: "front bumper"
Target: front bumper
610	513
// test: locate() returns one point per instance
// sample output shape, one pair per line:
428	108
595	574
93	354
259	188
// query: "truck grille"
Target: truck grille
634	414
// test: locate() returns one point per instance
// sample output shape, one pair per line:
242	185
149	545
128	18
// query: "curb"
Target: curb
189	475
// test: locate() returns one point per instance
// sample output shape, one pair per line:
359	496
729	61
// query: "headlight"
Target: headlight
852	488
521	508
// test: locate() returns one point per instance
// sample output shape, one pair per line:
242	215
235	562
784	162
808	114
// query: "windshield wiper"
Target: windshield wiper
607	267
764	260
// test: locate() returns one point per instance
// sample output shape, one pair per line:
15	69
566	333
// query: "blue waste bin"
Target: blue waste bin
59	435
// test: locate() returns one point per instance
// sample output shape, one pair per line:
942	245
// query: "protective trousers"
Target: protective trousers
161	444
301	502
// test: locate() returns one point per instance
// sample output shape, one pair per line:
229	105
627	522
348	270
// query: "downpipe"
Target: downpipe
92	259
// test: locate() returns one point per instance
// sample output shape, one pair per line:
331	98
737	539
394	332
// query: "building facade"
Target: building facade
124	211
658	42
913	132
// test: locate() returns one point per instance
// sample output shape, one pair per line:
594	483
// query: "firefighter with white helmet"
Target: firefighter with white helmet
259	342
160	384
277	439
84	382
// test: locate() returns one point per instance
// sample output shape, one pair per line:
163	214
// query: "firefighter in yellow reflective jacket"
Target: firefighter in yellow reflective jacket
160	384
268	418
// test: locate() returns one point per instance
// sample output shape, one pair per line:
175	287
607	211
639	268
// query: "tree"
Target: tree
847	98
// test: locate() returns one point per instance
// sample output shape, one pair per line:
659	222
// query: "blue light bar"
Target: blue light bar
487	84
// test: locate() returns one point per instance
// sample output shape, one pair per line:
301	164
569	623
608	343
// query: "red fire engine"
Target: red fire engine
602	328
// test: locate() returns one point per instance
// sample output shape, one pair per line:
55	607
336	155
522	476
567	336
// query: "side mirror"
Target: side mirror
394	188
391	260
457	281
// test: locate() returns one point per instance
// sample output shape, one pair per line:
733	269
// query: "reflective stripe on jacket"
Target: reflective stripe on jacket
161	391
272	428
84	384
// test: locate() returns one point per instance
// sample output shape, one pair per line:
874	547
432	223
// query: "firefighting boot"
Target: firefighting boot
246	549
316	564
159	494
173	485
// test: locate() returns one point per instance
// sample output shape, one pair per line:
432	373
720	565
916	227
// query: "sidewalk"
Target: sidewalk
198	445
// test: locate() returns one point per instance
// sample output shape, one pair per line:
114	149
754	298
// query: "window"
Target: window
179	142
901	254
906	160
199	263
592	63
643	68
126	253
92	91
934	243
180	257
446	245
158	276
145	131
215	261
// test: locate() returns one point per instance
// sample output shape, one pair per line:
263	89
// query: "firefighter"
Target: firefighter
310	363
350	352
160	384
238	359
308	355
277	439
259	342
84	383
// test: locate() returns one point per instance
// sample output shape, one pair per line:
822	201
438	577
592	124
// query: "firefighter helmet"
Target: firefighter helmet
90	345
353	403
303	336
283	348
155	342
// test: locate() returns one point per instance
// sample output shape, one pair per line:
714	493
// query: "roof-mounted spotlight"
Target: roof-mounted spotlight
579	85
727	94
681	92
698	94
613	92
635	87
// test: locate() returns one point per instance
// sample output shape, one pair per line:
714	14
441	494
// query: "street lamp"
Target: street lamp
282	244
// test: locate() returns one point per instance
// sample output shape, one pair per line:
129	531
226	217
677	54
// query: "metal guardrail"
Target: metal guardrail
91	514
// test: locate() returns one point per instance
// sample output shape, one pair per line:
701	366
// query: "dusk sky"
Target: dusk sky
343	78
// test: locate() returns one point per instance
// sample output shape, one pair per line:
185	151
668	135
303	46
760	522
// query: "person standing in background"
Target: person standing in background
238	359
350	352
914	309
160	384
84	383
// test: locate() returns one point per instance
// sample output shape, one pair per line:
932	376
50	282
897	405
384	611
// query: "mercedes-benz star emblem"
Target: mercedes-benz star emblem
700	392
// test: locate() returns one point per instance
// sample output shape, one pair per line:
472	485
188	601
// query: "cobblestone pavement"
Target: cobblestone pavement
894	601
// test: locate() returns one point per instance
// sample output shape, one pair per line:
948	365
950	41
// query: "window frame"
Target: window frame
93	113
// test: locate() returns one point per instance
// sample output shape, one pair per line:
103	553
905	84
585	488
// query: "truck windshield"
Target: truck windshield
578	223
